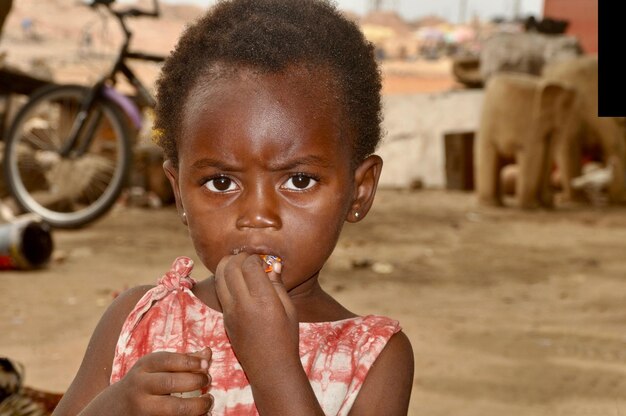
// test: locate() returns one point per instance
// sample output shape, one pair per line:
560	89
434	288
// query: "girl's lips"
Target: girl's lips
261	251
238	250
272	261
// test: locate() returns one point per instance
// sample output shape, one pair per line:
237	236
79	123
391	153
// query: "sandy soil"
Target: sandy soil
509	313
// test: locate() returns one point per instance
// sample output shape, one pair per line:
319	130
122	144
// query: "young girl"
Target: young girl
269	112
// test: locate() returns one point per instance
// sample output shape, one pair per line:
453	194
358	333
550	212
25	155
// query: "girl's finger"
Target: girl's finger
168	383
254	274
233	275
277	282
223	293
163	361
205	353
277	267
178	406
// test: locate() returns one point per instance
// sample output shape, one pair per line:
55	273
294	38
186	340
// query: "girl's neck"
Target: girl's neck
310	300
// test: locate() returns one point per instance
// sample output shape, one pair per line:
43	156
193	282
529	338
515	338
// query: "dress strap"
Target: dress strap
172	288
177	279
178	275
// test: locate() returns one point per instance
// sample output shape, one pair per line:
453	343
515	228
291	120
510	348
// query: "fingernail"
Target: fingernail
188	394
204	364
207	352
278	267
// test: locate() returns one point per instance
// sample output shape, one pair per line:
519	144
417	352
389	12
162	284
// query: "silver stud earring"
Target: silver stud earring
184	215
356	214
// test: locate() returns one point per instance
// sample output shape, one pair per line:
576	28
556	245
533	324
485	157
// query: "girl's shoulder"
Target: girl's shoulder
114	317
390	377
125	302
95	370
378	325
372	324
368	333
119	310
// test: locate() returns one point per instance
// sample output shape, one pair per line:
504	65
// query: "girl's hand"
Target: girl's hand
259	317
147	387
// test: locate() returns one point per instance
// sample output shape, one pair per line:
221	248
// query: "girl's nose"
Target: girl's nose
259	209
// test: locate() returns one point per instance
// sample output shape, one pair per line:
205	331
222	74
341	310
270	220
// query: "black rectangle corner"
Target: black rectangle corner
611	55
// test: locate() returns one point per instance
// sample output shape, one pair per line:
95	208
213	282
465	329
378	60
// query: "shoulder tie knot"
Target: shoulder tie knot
178	275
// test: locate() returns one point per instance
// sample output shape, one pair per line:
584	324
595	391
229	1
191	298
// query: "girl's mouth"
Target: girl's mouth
270	259
238	250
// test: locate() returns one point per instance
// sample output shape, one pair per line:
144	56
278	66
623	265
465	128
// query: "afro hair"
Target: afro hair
271	36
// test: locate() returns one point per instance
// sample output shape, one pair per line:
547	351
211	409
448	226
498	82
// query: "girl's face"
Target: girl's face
263	169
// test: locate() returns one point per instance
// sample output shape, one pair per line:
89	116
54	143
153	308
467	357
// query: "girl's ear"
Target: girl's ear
366	178
172	175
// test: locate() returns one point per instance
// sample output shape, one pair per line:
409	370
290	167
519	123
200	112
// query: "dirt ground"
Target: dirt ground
509	312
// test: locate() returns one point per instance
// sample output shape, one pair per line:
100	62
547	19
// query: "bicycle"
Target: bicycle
69	148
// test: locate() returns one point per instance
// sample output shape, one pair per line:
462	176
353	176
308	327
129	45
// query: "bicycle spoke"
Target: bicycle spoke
98	188
97	185
38	143
28	163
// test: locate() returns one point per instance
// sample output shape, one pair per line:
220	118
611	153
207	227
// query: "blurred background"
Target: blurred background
512	297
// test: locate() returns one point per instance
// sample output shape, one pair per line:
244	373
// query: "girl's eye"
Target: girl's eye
221	184
300	182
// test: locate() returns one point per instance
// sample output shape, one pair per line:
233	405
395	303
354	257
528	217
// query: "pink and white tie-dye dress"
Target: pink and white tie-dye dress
336	356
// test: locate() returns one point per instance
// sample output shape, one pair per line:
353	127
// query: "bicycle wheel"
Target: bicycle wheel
67	191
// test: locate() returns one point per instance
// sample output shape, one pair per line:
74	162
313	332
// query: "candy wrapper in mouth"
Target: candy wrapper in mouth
270	261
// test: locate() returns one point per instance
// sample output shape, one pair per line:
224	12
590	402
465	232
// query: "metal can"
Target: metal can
25	243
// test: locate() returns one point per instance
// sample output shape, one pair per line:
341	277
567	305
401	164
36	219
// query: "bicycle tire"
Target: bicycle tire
72	191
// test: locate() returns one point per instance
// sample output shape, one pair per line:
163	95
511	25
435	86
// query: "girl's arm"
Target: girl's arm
387	387
262	326
147	384
95	370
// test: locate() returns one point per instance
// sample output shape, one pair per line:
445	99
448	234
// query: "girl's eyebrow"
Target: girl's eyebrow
309	160
211	163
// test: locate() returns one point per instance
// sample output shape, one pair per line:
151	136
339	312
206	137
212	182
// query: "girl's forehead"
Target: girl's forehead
315	84
256	107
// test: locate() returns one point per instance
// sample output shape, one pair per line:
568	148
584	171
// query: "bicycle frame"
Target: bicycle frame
87	119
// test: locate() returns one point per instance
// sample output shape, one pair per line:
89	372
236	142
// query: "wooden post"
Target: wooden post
459	153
